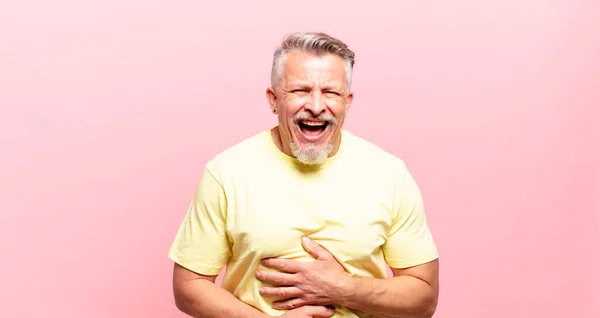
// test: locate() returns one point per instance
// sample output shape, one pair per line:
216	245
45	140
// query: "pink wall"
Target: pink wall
110	108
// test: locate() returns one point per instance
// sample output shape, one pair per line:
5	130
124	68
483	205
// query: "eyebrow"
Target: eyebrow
300	85
306	85
332	88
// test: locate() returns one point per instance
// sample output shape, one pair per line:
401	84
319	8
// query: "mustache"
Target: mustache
308	116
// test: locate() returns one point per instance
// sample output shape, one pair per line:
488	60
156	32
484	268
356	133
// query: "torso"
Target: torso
344	207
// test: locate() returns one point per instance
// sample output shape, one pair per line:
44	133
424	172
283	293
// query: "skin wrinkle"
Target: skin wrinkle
312	87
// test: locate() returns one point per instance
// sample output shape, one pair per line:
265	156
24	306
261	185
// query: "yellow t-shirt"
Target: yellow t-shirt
255	202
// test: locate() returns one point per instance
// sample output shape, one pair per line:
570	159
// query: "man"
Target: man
305	216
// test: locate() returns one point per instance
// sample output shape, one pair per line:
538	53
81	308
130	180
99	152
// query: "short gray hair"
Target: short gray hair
317	43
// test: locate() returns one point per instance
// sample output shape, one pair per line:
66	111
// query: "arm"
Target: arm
411	293
198	296
409	250
411	253
200	251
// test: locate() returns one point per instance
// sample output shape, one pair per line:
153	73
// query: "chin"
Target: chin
311	154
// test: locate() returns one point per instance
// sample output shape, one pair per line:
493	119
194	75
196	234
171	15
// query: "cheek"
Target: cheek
338	109
286	119
294	103
286	115
287	112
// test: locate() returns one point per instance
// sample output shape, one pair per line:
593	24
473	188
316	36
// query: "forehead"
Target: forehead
309	67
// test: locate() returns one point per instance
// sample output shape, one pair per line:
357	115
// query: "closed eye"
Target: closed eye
300	90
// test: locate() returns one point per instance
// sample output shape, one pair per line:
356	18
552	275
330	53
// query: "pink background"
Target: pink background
109	109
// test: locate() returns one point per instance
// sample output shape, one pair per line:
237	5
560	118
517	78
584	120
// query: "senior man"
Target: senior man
305	216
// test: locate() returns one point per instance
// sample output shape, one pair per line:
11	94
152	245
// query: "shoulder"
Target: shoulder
242	155
369	154
384	170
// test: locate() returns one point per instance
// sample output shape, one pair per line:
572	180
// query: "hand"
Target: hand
297	284
310	312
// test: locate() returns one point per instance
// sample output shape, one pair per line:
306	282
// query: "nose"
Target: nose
316	104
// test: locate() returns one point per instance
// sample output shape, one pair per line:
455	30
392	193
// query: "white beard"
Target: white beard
311	156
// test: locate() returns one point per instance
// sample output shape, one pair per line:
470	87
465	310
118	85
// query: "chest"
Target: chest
347	216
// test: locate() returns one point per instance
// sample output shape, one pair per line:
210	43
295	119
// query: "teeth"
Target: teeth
313	123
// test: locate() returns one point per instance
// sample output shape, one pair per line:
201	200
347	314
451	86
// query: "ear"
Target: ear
349	100
272	98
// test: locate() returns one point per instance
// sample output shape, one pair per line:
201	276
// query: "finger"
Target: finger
316	250
276	278
288	304
320	311
284	293
283	265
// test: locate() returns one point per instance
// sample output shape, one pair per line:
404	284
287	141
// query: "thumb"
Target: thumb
314	249
319	311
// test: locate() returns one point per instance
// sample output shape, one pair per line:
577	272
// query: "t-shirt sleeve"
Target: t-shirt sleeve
201	243
409	241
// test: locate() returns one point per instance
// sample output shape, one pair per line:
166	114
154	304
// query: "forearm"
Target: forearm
201	298
397	297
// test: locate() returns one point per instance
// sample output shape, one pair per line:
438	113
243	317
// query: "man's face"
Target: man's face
311	102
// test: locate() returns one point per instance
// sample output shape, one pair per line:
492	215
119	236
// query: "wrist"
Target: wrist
346	290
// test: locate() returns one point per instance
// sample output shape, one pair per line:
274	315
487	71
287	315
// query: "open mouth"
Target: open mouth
312	129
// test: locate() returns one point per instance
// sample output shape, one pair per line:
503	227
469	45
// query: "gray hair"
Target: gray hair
317	43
